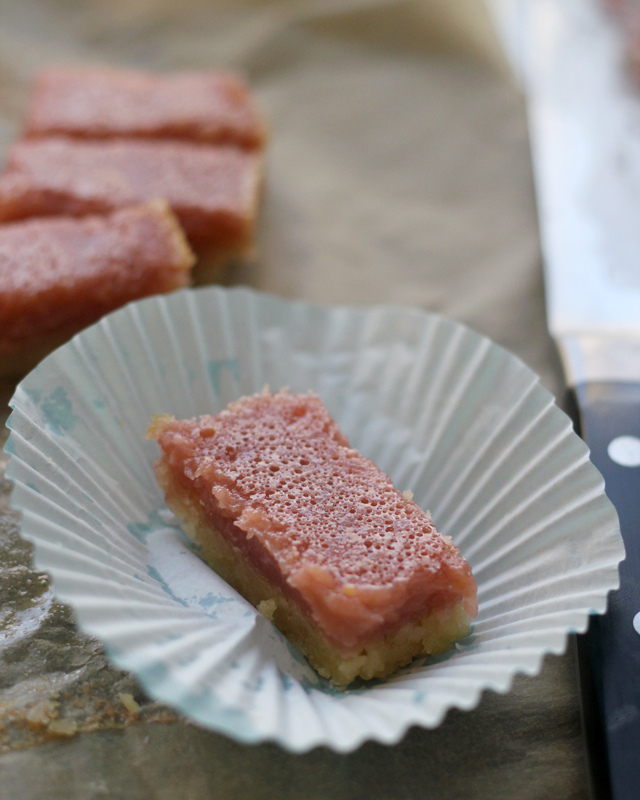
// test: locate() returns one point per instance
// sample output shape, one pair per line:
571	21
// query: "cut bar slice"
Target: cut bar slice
59	275
213	191
315	535
99	103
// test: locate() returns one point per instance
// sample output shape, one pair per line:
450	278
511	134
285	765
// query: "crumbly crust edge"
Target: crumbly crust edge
433	633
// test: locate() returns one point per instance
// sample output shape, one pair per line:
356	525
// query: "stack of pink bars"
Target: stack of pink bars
312	533
119	178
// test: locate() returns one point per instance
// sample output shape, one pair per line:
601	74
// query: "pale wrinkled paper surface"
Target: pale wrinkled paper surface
398	172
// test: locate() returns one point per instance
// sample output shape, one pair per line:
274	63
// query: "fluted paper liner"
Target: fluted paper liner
445	412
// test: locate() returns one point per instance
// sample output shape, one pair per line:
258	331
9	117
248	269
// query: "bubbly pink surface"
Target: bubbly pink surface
56	273
316	517
105	102
212	190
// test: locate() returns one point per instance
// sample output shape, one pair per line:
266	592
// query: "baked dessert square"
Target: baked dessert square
61	274
315	535
214	191
104	102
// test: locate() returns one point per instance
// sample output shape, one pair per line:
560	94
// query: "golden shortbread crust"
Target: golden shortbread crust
433	633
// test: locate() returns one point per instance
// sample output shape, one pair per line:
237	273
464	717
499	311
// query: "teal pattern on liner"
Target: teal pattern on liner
210	600
58	411
152	572
216	367
200	706
142	530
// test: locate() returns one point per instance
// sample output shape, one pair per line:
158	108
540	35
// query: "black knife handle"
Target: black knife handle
609	653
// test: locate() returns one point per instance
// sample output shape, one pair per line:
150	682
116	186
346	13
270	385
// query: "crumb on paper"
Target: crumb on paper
128	701
63	727
41	715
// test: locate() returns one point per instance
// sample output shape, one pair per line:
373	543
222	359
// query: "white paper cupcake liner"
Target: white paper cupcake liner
445	412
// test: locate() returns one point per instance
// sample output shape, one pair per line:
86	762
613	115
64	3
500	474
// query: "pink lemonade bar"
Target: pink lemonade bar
213	191
312	533
103	102
59	275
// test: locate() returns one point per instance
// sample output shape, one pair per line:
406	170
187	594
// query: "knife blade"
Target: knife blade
584	123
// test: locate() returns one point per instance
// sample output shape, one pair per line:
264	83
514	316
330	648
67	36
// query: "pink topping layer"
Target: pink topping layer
278	478
63	272
103	103
212	190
